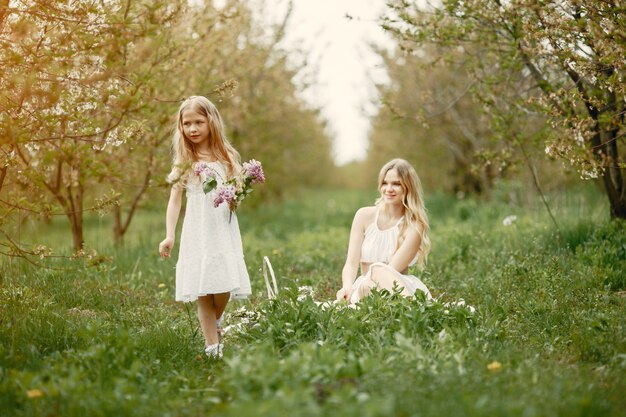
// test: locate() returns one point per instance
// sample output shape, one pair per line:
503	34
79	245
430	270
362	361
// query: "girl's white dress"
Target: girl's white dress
376	250
210	258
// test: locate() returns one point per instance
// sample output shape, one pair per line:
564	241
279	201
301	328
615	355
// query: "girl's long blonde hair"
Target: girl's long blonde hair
415	212
185	153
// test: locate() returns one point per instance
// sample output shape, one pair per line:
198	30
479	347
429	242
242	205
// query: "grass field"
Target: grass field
103	336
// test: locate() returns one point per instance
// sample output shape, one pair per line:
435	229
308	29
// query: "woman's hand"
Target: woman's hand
343	294
165	247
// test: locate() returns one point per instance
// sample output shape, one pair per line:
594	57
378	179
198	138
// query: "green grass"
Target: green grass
108	339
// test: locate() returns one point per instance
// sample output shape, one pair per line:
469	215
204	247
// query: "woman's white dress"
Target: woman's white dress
210	258
376	250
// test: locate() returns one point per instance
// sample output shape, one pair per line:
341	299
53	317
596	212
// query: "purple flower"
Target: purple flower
209	173
205	171
253	170
233	190
225	193
200	167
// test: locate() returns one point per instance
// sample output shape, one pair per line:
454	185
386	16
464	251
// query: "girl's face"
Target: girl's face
391	188
195	126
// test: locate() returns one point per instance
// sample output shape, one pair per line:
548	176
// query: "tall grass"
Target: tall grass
102	336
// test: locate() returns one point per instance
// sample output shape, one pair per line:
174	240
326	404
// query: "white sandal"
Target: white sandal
215	351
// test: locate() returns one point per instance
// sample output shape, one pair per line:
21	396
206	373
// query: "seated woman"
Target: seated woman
388	237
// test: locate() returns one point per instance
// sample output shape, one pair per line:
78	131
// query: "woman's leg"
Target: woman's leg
384	279
365	288
207	316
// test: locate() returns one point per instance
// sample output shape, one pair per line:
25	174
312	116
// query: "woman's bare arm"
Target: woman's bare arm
353	258
406	252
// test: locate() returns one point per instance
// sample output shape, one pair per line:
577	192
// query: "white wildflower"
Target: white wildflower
442	335
325	304
304	292
509	220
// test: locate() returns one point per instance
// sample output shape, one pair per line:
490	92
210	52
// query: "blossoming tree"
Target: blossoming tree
74	77
88	90
572	51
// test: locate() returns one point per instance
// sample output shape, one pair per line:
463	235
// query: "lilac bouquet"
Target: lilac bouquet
234	190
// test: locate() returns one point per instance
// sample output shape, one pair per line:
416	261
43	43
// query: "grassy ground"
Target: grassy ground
548	336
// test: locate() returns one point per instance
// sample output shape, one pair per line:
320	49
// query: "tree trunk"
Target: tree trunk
604	145
118	230
75	213
612	178
604	141
77	234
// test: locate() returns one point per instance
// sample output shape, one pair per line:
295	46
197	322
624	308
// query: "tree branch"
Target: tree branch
135	203
3	175
533	170
4	12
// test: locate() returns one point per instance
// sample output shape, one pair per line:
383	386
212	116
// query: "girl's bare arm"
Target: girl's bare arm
171	219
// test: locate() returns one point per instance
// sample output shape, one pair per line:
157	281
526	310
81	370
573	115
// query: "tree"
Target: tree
431	119
73	74
265	119
89	90
571	51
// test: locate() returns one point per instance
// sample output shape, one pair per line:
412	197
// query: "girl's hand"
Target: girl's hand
165	247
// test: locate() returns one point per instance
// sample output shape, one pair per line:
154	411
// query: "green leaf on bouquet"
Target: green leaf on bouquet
209	186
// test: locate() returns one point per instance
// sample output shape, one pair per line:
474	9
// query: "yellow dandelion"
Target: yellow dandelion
494	366
161	285
34	393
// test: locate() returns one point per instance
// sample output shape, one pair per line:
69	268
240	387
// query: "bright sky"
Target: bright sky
342	66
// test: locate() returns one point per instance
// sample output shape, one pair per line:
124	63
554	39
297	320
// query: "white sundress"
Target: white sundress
210	257
377	249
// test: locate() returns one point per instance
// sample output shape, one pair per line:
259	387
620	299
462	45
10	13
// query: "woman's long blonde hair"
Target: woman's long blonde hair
184	151
415	212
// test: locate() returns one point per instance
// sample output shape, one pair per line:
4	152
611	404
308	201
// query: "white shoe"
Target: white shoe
215	351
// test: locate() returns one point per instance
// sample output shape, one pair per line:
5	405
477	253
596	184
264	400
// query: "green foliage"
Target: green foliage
547	336
432	119
89	91
529	61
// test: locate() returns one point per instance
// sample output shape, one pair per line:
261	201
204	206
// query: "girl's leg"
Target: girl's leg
207	316
220	301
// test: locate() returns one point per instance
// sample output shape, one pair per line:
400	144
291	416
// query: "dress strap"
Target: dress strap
399	221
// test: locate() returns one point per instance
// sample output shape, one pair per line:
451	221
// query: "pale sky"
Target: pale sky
342	67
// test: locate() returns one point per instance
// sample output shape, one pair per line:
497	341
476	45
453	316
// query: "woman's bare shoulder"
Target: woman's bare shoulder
365	215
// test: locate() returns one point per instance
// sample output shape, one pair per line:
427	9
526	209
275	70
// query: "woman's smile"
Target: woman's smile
391	187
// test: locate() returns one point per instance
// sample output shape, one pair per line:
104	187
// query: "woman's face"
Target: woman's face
391	188
195	126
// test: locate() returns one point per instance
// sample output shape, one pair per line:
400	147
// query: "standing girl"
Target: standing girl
210	266
388	237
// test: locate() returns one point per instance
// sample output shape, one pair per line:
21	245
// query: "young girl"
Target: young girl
388	237
210	266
